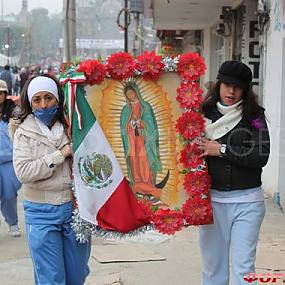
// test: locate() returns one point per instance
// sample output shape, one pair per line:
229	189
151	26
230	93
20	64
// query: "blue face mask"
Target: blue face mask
46	115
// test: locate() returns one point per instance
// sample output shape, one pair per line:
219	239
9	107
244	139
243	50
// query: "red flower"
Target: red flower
146	208
120	65
150	65
94	71
191	66
190	125
189	95
197	183
197	211
168	221
190	156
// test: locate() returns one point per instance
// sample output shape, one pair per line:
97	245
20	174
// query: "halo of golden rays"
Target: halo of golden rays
112	102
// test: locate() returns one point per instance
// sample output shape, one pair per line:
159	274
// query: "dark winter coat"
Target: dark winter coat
248	147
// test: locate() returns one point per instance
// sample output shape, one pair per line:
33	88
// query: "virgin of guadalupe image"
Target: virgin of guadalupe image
140	137
138	118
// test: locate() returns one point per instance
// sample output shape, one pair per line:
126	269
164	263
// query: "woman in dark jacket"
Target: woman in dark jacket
236	148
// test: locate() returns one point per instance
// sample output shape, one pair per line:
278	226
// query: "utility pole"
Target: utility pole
30	44
2	11
69	35
126	26
137	8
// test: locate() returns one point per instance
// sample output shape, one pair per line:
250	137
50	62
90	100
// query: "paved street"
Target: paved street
181	267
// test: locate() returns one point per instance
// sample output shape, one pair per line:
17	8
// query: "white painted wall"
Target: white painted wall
281	180
273	179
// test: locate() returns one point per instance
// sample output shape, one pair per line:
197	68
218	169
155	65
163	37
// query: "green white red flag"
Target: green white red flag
103	194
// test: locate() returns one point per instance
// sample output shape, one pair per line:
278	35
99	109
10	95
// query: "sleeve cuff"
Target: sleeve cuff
54	159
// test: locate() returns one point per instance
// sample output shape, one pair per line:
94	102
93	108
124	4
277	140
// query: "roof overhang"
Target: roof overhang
188	14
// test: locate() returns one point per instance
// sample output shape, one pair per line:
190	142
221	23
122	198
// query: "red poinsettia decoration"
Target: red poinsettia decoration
197	211
197	183
189	95
190	125
120	65
168	221
191	66
94	71
146	206
150	65
190	156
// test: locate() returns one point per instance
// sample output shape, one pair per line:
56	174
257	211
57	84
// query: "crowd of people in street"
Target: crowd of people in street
16	77
36	156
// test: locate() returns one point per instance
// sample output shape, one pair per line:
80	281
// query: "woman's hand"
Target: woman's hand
209	147
66	150
15	99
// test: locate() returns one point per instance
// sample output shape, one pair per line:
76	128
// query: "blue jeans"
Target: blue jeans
57	257
234	234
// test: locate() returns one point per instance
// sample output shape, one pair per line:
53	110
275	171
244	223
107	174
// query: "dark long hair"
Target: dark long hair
250	108
7	109
26	108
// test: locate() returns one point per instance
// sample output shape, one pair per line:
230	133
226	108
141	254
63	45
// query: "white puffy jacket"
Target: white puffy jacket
40	166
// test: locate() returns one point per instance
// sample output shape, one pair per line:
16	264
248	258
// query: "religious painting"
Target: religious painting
147	114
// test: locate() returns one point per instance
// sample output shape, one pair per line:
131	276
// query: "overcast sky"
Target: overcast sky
14	6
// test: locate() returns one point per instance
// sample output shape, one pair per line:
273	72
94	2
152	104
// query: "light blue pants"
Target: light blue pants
58	259
233	237
9	210
9	186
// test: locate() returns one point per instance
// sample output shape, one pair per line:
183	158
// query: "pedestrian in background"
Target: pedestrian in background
9	184
42	160
6	75
236	148
16	81
24	76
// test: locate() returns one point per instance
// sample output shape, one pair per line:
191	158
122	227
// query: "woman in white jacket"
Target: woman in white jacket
42	160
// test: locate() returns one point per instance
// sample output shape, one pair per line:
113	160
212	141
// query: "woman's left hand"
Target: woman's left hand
66	150
209	147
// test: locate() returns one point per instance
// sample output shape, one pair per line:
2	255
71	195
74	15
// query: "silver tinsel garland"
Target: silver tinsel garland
170	63
83	230
137	72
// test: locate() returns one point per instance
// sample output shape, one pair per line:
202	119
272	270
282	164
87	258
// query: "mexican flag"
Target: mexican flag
104	196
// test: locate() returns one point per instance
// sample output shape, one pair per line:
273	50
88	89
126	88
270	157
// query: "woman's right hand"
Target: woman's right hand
209	147
66	150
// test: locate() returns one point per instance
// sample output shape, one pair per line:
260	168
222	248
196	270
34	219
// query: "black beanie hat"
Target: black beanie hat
235	72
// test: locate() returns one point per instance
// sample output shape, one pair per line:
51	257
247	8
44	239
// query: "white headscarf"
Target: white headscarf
42	83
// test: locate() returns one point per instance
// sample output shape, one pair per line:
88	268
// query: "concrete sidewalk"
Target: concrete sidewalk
182	264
